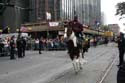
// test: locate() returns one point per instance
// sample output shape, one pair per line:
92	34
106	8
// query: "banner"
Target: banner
53	24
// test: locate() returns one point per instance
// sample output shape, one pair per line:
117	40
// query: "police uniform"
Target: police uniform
12	48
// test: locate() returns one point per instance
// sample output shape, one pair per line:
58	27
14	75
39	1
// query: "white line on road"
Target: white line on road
107	71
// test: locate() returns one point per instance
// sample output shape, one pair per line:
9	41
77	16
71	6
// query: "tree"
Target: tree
120	8
105	28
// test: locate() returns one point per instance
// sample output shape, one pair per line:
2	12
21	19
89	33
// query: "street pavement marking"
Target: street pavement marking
106	73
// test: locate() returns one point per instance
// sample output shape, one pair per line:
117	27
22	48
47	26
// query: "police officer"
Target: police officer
121	47
23	46
40	45
19	47
12	48
121	74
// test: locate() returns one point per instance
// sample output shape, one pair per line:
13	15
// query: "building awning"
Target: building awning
93	31
52	26
42	28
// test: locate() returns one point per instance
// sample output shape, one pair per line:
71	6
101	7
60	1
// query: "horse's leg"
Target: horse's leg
74	65
82	53
80	63
73	62
80	59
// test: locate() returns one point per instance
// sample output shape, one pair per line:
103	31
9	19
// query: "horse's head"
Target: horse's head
68	31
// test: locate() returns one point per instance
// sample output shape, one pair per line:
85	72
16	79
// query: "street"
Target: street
56	67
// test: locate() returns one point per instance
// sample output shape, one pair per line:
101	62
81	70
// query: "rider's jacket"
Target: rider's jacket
76	26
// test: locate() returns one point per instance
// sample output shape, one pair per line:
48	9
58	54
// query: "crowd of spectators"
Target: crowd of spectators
46	43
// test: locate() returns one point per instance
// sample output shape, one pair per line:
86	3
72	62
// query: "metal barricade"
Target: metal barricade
5	51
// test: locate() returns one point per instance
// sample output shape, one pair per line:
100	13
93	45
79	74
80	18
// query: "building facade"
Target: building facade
114	28
13	17
88	11
41	7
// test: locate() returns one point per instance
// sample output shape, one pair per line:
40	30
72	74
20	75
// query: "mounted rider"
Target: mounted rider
77	28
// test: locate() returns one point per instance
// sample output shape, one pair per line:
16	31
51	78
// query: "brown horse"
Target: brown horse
85	47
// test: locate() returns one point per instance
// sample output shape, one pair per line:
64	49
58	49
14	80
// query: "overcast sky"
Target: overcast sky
109	9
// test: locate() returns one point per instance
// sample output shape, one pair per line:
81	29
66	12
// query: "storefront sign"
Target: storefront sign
53	24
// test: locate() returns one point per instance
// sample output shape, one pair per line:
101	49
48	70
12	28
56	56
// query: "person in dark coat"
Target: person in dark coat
121	74
77	36
23	46
19	47
77	27
12	48
88	45
121	47
106	40
1	47
40	45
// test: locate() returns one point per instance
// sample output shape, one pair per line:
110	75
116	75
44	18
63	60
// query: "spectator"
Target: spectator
121	74
36	44
121	47
12	48
40	45
1	47
23	46
19	47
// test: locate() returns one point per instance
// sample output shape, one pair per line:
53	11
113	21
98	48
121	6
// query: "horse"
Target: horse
73	48
85	46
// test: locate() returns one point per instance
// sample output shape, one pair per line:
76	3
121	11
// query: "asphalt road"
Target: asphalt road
56	67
